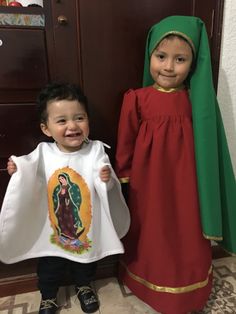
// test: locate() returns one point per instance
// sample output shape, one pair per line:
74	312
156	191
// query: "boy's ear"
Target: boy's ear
45	129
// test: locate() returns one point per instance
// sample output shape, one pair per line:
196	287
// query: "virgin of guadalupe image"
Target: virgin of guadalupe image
66	202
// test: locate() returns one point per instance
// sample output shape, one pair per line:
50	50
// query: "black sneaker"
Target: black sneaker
88	299
48	306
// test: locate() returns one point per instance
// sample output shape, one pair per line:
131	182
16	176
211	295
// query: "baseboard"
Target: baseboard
21	277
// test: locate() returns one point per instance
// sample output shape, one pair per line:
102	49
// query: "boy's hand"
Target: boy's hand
11	167
105	174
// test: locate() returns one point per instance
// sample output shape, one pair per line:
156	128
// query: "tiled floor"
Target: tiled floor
116	299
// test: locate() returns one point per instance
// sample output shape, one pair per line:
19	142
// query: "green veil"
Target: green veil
216	180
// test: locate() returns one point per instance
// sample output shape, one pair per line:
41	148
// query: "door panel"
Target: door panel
112	49
18	136
211	12
62	29
23	64
21	132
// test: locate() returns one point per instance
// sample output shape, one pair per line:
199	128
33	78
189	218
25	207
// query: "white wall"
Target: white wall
227	76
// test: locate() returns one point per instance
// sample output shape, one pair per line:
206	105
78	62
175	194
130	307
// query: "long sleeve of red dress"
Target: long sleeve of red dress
127	133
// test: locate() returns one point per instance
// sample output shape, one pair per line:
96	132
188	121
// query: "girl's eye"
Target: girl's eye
160	56
180	59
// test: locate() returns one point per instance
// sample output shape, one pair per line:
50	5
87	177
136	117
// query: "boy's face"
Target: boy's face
170	62
67	124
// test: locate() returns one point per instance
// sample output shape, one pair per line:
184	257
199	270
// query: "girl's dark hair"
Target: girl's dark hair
173	35
58	91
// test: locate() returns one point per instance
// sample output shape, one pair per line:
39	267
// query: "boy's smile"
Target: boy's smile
67	124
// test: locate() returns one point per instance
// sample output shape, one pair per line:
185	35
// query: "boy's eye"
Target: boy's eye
80	118
61	121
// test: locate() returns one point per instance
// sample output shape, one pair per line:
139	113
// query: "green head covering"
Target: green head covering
216	180
189	27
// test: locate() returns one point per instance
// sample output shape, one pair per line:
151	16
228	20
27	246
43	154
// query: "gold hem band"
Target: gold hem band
176	290
214	238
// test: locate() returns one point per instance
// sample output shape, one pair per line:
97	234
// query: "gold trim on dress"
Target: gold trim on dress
168	90
124	180
175	290
214	238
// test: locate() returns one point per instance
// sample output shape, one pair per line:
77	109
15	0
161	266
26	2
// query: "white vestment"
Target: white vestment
57	205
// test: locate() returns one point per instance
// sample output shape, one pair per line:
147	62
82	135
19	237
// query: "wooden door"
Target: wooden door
98	44
24	69
113	35
211	12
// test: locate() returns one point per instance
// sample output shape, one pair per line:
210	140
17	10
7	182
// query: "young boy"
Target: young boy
64	216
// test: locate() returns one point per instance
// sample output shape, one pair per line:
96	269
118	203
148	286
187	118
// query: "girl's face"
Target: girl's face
170	62
67	124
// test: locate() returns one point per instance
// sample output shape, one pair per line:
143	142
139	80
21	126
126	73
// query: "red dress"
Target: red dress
167	261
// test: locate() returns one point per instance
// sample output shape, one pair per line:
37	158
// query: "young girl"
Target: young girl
63	203
173	155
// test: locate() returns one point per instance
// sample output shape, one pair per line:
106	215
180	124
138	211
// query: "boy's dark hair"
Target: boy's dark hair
58	91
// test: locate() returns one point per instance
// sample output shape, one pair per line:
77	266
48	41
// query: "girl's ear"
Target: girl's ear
45	129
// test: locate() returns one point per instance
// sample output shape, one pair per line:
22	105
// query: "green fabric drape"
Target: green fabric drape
216	180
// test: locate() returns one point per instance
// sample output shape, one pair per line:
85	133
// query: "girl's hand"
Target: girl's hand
105	174
11	167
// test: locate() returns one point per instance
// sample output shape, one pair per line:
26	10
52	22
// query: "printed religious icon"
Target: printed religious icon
69	210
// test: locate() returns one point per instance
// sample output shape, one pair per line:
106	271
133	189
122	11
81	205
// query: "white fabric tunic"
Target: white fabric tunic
57	205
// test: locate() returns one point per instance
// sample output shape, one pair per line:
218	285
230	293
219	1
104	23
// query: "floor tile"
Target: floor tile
118	299
113	301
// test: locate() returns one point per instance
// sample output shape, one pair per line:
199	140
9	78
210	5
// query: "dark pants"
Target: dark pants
52	270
